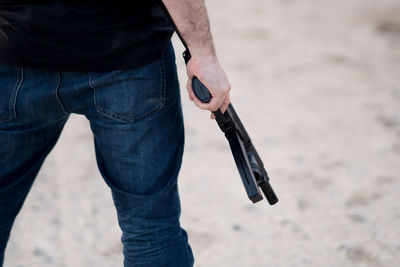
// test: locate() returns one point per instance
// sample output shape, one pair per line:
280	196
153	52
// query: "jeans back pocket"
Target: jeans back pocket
130	95
10	82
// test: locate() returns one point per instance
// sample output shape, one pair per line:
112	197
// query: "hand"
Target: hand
208	70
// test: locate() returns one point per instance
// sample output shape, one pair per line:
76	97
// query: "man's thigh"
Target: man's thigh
31	121
139	139
138	126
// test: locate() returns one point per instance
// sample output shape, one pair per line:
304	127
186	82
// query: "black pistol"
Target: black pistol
248	162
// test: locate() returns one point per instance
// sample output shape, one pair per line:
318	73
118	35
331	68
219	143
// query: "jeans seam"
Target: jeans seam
163	83
13	101
94	90
56	91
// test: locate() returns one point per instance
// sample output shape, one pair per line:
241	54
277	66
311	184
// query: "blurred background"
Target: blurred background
317	85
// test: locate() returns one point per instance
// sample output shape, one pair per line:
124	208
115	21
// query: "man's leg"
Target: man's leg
139	140
31	121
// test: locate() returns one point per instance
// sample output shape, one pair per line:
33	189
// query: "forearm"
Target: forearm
190	17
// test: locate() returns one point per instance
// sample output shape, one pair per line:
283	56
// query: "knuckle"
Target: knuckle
213	107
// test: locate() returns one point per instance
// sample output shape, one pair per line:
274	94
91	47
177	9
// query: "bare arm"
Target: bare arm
190	16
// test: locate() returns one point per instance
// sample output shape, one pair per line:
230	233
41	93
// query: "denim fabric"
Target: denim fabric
136	119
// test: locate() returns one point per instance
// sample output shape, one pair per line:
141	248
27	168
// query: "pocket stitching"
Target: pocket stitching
125	119
13	98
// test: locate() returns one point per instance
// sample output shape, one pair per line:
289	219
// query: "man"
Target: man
113	63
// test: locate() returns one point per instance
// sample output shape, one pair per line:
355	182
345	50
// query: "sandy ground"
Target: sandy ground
317	84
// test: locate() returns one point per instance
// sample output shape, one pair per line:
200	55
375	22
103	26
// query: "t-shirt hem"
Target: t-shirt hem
57	66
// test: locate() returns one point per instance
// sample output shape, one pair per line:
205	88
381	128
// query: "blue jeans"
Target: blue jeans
136	119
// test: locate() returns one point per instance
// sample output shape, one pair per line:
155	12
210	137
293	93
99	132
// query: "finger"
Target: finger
213	105
199	104
225	104
212	116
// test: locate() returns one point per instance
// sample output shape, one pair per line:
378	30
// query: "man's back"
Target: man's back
82	36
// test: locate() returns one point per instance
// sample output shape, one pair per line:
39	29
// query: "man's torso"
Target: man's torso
82	36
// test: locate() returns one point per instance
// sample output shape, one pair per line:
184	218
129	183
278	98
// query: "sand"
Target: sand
317	84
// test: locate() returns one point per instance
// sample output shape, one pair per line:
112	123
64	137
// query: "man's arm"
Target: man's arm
190	17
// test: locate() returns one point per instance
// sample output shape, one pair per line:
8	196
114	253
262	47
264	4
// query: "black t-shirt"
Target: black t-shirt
82	35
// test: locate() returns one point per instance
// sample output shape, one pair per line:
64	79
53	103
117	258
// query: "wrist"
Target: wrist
200	51
201	58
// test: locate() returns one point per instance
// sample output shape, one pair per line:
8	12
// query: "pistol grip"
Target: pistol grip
200	90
